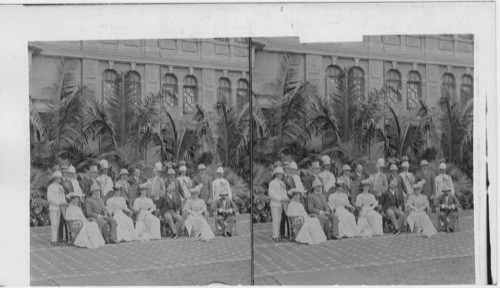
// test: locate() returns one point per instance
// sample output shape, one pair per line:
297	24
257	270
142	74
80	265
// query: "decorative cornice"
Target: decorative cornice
355	51
128	57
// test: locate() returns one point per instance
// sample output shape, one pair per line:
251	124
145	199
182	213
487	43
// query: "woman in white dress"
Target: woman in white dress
117	205
90	235
147	226
339	202
311	231
196	224
369	221
418	219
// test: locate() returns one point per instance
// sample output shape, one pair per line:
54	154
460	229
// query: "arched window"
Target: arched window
241	93
168	92
108	83
190	94
448	86
224	90
133	82
413	89
333	76
393	81
357	78
466	89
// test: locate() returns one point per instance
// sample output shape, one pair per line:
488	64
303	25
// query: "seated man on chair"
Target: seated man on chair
96	209
316	204
392	203
170	207
226	212
448	210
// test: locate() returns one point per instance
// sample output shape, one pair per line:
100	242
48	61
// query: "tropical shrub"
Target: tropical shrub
39	206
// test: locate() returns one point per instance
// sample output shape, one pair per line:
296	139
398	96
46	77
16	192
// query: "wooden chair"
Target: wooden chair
294	222
73	226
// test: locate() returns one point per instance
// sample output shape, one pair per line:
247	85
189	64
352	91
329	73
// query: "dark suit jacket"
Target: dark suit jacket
307	181
401	187
68	186
316	203
165	202
452	199
429	186
387	200
178	189
95	207
86	184
229	204
289	183
206	192
356	181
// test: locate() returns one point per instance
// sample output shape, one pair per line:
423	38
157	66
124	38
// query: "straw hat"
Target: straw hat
277	170
57	174
367	182
341	181
220	170
196	189
74	194
424	163
293	165
317	183
418	186
294	191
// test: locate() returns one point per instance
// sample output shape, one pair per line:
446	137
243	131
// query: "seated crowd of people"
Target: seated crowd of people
132	208
355	204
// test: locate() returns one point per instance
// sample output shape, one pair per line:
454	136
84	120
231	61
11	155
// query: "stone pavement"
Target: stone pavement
52	263
288	258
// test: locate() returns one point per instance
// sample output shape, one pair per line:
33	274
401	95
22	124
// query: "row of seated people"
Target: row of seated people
111	222
320	219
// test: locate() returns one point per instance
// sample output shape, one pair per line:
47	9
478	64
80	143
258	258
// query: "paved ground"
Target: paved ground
76	266
327	262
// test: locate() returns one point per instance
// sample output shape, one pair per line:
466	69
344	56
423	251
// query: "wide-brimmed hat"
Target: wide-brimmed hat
424	163
143	186
74	194
393	168
341	181
124	172
202	167
57	174
405	164
367	182
71	169
118	186
316	183
294	191
220	170
315	164
325	160
183	168
346	167
442	166
103	164
93	168
170	171
293	165
277	170
196	189
418	186
95	187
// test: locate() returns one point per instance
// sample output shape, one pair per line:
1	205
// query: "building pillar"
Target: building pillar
433	85
90	76
152	81
313	66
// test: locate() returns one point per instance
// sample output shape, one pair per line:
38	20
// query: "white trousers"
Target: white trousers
276	214
55	217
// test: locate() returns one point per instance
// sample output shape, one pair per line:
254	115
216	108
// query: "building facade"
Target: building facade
186	71
420	66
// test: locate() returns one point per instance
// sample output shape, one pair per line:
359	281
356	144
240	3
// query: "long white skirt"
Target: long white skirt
373	219
421	222
311	232
347	223
147	227
125	230
198	226
89	236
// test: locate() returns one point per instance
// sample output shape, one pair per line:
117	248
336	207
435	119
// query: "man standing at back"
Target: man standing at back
206	193
86	184
356	178
156	184
380	184
105	181
429	185
443	180
327	176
